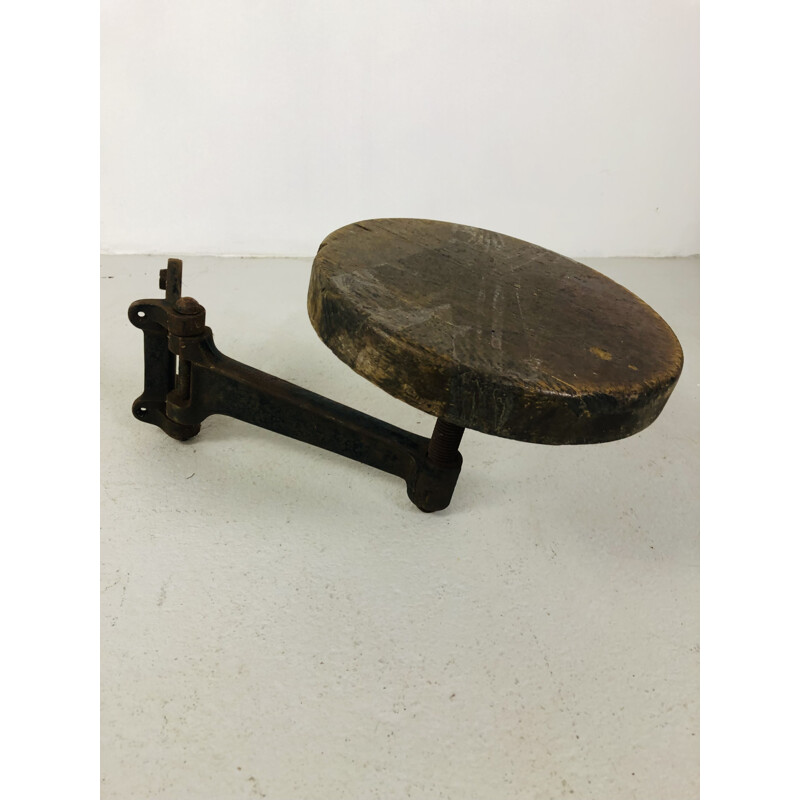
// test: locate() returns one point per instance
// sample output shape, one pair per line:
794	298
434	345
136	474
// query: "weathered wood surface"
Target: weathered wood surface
492	333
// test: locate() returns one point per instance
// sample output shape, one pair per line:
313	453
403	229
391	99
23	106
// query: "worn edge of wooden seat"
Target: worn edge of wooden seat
479	401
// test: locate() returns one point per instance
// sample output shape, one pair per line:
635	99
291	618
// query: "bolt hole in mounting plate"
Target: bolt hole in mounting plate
478	329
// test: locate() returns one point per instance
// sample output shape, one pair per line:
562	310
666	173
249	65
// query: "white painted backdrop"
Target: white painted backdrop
257	127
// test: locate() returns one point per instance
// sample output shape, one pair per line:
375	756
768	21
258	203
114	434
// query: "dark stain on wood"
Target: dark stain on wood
492	333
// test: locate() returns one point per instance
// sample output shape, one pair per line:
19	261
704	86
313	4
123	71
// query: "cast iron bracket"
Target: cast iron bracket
207	382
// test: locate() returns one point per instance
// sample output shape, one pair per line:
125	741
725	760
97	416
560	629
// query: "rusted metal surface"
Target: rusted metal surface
207	382
443	446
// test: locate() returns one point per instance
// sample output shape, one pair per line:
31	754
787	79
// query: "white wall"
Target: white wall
259	127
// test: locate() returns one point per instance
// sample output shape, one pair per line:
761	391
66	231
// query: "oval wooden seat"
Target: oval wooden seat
492	333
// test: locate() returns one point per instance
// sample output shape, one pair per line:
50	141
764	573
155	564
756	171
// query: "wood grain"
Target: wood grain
492	333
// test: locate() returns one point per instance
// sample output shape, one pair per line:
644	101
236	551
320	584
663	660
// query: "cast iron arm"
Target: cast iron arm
208	382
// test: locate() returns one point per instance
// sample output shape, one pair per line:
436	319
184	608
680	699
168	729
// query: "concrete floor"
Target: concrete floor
280	622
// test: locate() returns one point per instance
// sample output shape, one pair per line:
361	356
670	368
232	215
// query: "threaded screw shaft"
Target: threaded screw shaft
444	442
